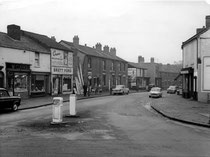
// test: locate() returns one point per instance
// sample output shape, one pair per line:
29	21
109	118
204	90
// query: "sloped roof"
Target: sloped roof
93	52
195	36
45	40
135	65
24	43
172	68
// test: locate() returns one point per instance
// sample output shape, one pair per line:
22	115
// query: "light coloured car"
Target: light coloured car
155	92
120	89
172	89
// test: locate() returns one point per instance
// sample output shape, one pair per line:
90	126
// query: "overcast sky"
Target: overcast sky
134	27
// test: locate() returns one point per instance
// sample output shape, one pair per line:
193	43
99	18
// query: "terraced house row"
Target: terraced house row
32	64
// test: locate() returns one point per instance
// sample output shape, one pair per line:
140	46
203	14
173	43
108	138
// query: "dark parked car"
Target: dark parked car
7	101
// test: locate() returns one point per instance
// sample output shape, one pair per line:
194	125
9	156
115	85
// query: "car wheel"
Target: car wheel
15	106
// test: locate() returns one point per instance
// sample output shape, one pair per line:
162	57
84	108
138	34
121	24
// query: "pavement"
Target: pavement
171	106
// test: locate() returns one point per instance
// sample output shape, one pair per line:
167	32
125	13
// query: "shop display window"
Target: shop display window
66	84
38	83
20	82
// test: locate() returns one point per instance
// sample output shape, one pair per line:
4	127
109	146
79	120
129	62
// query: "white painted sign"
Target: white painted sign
62	70
206	74
56	54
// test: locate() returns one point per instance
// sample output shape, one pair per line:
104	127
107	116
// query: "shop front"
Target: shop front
40	83
18	79
62	78
188	80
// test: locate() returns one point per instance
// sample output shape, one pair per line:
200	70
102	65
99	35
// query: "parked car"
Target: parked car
155	92
120	89
172	89
7	101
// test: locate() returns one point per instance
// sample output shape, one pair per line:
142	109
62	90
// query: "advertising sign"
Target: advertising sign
62	70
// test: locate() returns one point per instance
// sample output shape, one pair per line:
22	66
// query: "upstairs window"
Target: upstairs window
104	65
112	66
37	59
89	63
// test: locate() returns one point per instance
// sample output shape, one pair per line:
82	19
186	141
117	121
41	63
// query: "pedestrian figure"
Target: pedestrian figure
85	89
74	89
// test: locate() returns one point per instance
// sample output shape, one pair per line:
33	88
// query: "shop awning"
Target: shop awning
186	71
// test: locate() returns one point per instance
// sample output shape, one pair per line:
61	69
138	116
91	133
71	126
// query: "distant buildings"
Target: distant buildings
161	75
196	64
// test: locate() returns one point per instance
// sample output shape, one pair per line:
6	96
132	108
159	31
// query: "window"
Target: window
3	93
65	58
104	80
37	59
66	83
37	83
124	66
112	66
119	66
89	63
104	65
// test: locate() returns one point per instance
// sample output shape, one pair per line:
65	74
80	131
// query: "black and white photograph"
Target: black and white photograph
104	78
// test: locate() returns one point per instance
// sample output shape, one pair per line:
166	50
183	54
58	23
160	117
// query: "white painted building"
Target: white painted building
24	64
196	65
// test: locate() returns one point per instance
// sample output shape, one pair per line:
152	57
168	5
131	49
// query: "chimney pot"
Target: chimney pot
14	31
106	49
208	21
76	40
113	51
98	46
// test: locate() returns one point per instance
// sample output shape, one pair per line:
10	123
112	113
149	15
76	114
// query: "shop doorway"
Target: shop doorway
1	79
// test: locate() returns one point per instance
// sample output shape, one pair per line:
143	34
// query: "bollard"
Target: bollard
57	116
72	104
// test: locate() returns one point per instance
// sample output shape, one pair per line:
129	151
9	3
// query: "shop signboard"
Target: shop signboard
62	70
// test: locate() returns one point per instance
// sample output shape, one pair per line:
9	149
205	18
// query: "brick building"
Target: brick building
96	67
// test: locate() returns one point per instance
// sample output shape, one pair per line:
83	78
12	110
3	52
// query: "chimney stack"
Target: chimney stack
53	38
14	31
113	51
140	59
76	40
152	60
98	47
106	49
208	21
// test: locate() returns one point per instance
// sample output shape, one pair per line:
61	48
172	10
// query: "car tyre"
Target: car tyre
15	106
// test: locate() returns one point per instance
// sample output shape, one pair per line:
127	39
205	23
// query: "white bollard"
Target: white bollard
57	116
72	104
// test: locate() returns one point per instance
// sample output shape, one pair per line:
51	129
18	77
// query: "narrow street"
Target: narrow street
123	125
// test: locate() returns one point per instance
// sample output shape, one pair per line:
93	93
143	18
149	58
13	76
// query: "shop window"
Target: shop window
37	59
20	82
37	83
66	84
